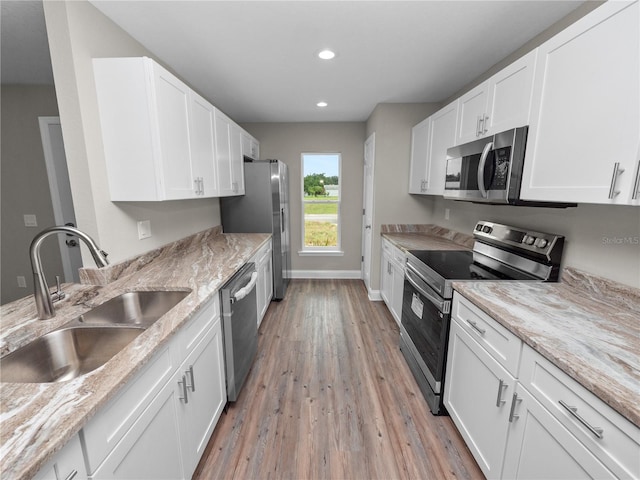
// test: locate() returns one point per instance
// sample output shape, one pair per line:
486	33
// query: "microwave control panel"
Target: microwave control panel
501	175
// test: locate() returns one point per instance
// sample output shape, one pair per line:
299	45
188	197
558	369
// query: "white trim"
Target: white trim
375	296
321	253
328	274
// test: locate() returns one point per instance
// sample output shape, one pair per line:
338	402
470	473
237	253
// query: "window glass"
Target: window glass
321	201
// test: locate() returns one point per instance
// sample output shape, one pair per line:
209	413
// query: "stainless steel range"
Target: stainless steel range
500	252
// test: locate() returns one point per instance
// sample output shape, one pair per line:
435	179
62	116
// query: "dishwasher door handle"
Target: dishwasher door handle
244	291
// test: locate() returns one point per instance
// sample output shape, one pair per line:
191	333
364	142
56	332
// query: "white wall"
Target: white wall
77	33
286	142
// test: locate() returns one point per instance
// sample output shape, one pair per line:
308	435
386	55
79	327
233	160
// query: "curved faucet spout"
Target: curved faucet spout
44	303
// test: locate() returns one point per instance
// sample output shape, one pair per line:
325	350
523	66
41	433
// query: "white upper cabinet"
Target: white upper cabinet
430	140
229	156
203	144
498	104
250	146
442	135
419	147
162	140
584	135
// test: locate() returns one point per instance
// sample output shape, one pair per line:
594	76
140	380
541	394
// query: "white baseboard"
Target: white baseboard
375	295
328	274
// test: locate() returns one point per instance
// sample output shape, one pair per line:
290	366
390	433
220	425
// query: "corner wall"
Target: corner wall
77	33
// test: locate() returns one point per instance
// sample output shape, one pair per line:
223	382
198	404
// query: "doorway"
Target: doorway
61	198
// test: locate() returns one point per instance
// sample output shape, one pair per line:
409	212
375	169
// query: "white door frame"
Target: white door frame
71	258
367	212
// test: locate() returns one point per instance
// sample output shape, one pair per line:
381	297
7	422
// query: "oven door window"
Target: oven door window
426	326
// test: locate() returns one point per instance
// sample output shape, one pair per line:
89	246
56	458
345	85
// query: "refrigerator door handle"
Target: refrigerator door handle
282	222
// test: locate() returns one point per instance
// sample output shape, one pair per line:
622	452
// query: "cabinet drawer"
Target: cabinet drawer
264	253
501	344
194	329
399	257
111	423
386	245
619	447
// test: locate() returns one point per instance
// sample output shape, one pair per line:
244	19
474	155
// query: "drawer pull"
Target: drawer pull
512	415
183	385
475	326
598	432
190	374
499	400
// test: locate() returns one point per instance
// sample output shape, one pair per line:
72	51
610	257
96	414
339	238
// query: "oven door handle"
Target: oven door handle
442	305
481	165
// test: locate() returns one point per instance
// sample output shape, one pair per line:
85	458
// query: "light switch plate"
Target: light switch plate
30	221
22	282
144	229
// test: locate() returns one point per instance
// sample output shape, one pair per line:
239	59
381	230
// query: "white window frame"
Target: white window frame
321	251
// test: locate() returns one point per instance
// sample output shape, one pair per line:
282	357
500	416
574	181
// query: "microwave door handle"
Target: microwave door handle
483	161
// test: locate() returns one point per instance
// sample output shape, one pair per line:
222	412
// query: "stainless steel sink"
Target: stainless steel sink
88	341
65	354
133	308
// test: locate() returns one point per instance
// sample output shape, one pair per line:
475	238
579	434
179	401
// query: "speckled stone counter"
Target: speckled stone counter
37	420
587	326
426	237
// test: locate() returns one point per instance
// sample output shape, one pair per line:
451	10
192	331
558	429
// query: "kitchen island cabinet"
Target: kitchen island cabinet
392	270
584	134
67	464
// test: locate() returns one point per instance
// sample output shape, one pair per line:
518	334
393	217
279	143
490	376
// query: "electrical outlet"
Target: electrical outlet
30	221
144	229
446	214
22	282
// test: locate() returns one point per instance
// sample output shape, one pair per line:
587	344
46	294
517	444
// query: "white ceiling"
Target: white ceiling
256	60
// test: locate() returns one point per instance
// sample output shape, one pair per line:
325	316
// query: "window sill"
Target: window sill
321	253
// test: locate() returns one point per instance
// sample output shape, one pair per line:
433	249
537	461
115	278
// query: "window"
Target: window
321	203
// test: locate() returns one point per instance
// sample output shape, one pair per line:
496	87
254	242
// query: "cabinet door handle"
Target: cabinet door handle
190	376
478	126
573	411
614	179
512	415
183	384
201	186
72	475
485	122
499	401
475	326
636	185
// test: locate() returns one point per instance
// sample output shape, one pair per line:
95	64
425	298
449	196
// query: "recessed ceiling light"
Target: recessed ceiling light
326	54
322	104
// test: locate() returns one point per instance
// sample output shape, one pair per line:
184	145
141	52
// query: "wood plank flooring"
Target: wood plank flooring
331	397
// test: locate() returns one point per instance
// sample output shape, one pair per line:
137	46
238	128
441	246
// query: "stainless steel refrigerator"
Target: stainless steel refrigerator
264	208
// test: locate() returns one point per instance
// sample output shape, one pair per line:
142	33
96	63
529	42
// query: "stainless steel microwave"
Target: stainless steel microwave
489	170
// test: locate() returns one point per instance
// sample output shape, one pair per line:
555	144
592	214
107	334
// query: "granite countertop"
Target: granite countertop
587	327
37	420
426	237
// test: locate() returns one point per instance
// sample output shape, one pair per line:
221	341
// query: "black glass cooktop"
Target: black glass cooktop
460	265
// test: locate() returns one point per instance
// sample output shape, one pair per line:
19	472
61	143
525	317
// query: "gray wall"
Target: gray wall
25	187
286	142
392	124
78	32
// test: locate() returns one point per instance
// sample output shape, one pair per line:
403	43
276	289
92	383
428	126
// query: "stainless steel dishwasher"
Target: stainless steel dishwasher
240	327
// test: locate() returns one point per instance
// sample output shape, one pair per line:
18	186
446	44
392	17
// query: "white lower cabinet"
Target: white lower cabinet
392	267
477	389
68	463
264	286
159	425
538	423
540	447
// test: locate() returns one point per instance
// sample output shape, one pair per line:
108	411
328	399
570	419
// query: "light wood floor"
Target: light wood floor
330	397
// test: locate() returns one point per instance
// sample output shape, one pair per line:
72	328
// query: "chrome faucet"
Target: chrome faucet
44	301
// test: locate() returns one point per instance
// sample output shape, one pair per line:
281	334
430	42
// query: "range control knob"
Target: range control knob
528	240
487	229
541	243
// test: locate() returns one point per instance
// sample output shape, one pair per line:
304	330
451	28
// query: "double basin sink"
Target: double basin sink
88	341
